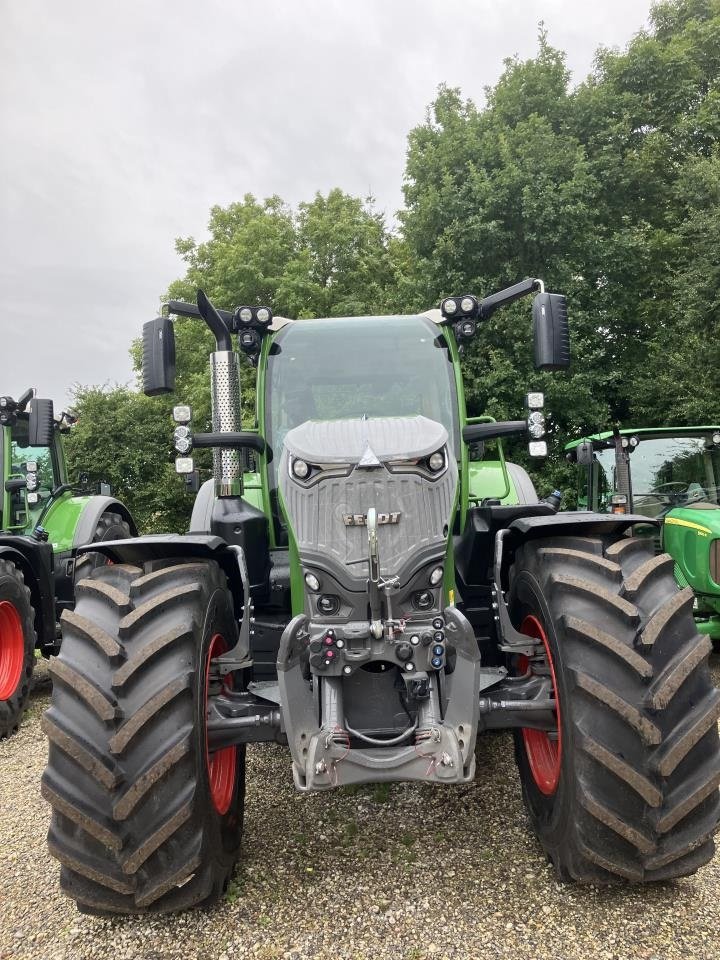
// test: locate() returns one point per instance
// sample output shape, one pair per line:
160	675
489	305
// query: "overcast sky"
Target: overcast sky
123	121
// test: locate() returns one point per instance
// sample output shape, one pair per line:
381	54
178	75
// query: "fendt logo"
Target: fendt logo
360	519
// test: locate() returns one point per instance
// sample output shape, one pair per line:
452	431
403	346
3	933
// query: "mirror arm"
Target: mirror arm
488	305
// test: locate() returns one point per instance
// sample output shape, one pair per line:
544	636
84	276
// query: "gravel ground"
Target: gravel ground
405	872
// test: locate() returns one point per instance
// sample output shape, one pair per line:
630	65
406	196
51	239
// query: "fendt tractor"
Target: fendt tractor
671	474
356	587
43	520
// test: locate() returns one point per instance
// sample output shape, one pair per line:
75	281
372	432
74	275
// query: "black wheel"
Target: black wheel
111	526
626	787
17	647
143	818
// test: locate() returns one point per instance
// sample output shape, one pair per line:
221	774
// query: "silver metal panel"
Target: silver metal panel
226	417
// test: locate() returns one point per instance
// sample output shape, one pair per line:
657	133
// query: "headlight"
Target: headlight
300	469
436	576
467	304
263	315
436	461
182	439
716	437
244	314
328	604
312	582
449	306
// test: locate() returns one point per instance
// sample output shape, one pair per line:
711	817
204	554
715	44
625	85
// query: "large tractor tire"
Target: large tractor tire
17	647
110	526
144	819
627	787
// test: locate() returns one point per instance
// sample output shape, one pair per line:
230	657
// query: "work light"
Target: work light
264	316
184	465
182	413
244	314
538	448
535	400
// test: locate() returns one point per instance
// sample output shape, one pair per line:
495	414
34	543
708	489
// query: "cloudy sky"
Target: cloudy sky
123	121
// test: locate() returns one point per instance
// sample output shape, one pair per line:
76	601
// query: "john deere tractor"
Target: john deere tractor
671	474
358	588
43	520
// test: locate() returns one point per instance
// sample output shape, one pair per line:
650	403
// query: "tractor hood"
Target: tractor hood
366	441
351	466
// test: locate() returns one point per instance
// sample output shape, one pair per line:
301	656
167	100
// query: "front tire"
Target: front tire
17	647
636	754
137	824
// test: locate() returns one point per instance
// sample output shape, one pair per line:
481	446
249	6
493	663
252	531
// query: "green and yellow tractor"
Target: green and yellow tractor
671	475
43	520
361	586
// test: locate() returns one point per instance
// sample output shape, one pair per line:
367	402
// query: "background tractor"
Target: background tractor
671	474
357	587
43	520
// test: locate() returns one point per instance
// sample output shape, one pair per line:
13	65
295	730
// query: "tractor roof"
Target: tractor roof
647	433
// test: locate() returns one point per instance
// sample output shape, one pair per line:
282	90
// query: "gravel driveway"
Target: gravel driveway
350	875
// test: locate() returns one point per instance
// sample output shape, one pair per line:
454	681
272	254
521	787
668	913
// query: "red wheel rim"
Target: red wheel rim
544	754
222	764
12	649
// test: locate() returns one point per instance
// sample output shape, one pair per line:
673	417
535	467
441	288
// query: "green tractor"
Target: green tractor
43	520
357	586
672	475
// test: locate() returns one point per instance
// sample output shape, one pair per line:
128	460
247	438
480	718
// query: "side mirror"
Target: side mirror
40	423
551	334
158	359
584	453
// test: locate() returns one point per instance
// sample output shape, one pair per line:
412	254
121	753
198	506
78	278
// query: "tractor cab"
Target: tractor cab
32	465
670	475
657	470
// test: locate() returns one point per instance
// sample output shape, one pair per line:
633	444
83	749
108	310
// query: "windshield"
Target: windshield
666	472
358	366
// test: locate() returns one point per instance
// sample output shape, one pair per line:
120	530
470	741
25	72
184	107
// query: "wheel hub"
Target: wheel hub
222	764
544	750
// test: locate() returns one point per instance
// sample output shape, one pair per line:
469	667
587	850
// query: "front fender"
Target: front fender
182	547
35	560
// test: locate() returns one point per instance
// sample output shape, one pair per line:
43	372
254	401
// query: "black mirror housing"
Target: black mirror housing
551	333
40	423
158	357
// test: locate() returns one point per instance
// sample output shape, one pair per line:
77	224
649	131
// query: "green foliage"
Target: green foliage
609	191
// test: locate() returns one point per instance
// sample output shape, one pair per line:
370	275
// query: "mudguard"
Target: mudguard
35	560
580	522
89	518
188	546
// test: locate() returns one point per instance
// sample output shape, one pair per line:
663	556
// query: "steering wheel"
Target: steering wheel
678	485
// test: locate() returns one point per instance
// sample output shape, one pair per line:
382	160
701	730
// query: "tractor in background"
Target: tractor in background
671	475
43	520
354	588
